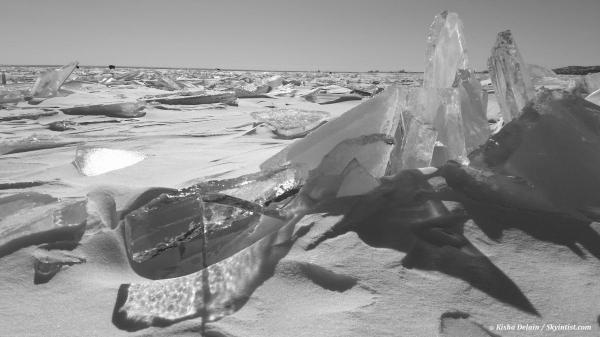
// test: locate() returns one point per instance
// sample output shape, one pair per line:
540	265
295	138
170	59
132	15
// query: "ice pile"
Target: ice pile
210	245
188	231
445	119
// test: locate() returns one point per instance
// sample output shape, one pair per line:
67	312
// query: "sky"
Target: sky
328	35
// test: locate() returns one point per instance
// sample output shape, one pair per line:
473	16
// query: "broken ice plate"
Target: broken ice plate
33	143
181	235
122	110
32	218
165	236
210	98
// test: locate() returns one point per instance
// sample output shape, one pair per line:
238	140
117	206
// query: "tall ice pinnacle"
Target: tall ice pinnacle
454	103
509	76
446	51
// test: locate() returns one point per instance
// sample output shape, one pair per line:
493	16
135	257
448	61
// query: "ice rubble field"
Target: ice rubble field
232	203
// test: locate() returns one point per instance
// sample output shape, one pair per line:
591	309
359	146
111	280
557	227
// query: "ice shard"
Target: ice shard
432	130
49	262
291	123
165	236
538	73
48	83
447	68
356	180
274	81
120	110
252	91
370	152
379	115
228	98
32	219
93	161
446	51
509	76
594	97
26	115
168	83
473	110
417	151
33	143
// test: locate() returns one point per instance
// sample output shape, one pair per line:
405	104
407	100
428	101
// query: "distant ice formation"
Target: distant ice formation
49	82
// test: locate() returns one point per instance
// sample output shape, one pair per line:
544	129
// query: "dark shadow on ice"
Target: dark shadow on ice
552	152
551	227
400	215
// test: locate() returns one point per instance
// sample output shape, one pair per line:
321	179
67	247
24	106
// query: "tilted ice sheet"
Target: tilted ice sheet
167	235
370	152
48	83
379	115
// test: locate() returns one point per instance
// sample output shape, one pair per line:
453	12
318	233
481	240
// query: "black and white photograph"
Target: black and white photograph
300	168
